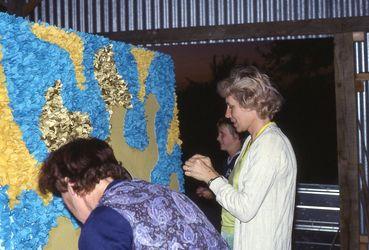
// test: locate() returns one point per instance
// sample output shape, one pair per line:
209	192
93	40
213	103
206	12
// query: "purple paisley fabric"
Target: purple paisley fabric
161	218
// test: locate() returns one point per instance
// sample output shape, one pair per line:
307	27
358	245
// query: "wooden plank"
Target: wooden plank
346	114
359	86
363	242
359	80
359	36
362	76
254	30
364	239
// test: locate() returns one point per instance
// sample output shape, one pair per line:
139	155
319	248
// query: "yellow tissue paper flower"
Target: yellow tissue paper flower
173	131
143	59
69	41
18	168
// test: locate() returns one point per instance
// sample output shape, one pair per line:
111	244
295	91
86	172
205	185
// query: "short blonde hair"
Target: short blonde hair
253	90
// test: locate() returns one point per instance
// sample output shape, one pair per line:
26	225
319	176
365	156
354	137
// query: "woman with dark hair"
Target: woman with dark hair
118	212
259	196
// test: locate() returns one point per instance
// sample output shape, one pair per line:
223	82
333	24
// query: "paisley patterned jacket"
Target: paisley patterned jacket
160	218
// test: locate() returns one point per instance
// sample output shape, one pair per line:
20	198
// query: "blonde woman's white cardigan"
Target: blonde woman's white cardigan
264	204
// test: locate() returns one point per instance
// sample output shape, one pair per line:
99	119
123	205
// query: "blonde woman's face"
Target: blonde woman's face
241	118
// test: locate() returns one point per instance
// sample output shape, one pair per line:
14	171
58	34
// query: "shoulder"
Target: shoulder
105	228
273	137
273	143
102	214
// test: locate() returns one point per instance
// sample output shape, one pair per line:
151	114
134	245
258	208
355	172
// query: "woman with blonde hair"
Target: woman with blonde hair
259	196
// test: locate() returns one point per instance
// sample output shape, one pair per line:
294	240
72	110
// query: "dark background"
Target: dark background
303	72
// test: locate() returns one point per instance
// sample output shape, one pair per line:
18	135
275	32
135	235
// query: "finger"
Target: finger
197	164
192	159
192	163
189	166
196	160
198	156
207	161
202	158
186	167
187	173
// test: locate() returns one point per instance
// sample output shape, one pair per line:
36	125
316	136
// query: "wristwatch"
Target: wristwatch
211	180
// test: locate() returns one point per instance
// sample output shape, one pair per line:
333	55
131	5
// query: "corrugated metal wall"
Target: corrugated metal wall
361	66
96	16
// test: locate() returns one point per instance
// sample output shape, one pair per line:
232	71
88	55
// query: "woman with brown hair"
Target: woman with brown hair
258	199
118	212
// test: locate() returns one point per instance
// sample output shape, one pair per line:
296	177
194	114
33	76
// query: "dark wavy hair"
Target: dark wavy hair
82	162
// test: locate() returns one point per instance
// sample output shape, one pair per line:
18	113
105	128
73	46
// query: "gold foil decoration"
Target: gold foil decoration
57	124
113	88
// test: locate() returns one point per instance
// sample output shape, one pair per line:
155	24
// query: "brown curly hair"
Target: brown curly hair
83	162
252	89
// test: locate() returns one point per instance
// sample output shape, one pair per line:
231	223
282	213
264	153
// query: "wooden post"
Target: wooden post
246	30
363	242
347	140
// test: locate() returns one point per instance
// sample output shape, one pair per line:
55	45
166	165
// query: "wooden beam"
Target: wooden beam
364	242
19	7
346	114
359	80
359	36
364	76
244	31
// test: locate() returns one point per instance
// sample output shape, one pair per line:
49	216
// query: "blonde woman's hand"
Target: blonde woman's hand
200	168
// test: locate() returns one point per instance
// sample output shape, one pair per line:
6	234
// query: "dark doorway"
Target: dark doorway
302	70
304	73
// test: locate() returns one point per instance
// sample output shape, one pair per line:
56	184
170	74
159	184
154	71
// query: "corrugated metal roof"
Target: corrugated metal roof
96	16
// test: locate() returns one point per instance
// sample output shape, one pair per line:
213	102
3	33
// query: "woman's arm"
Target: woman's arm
200	168
106	229
261	172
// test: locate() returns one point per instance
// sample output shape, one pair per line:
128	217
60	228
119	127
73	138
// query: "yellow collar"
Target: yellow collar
262	129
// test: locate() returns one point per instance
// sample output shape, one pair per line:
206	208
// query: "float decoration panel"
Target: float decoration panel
56	85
